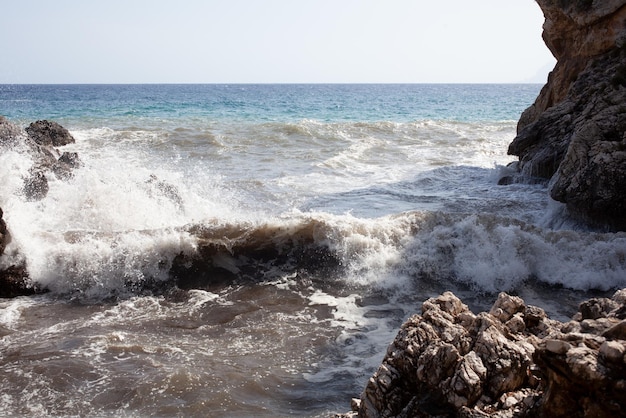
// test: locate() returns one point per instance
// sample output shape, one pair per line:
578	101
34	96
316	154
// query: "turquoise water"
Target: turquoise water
376	197
268	102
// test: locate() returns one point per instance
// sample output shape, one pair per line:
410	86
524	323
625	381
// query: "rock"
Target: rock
506	306
613	351
4	234
557	346
14	282
63	167
446	359
616	332
49	133
14	279
39	140
449	362
70	159
574	133
9	133
36	186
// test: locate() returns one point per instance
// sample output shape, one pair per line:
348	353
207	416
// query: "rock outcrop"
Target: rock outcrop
511	362
38	140
575	132
13	279
49	133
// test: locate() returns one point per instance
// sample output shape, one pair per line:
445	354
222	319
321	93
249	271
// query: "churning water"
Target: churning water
396	184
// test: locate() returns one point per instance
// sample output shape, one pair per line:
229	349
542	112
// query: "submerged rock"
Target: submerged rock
511	362
574	133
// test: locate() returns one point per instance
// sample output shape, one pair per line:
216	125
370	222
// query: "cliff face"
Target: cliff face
574	133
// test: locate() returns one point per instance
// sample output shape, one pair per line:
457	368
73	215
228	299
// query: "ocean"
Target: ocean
396	184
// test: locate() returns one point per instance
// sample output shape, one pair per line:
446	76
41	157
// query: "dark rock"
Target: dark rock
596	308
14	282
70	159
36	186
49	133
39	140
64	166
574	133
4	234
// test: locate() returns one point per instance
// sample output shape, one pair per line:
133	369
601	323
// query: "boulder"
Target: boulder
49	133
574	133
511	362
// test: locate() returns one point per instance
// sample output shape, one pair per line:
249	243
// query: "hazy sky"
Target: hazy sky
272	41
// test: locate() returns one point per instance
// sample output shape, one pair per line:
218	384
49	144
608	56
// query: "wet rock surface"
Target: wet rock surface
513	361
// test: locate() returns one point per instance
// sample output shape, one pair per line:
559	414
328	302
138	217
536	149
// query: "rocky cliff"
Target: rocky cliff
574	133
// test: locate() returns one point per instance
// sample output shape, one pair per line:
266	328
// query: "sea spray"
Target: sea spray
309	229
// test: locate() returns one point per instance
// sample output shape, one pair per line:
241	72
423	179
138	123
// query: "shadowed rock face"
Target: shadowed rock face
574	133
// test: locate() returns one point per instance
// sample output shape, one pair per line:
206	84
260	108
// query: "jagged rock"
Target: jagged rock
586	376
574	133
49	133
39	140
511	362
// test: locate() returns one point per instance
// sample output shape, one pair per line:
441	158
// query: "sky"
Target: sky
272	41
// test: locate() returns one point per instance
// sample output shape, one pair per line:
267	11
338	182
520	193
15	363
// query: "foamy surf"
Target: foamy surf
486	252
221	251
